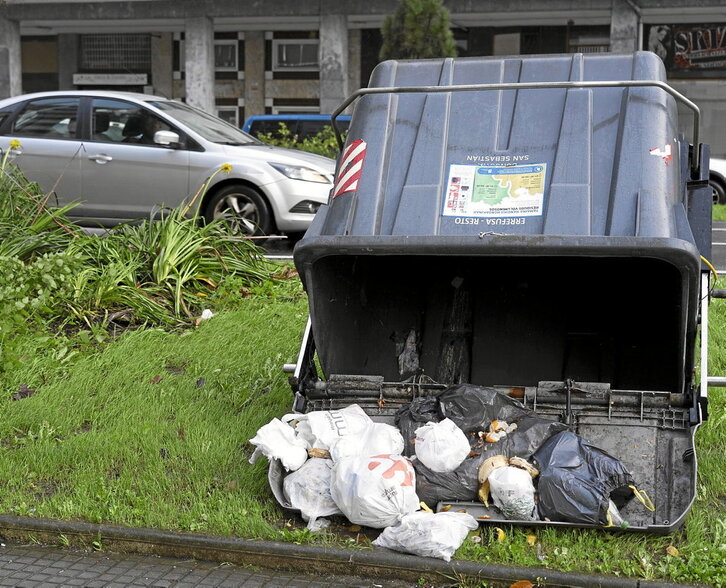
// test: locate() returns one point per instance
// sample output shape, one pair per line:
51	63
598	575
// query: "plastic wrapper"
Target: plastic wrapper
278	440
427	534
374	439
375	491
323	428
577	480
308	490
513	493
410	417
441	446
473	408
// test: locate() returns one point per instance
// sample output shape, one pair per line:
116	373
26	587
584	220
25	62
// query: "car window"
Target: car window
310	128
210	127
117	121
48	117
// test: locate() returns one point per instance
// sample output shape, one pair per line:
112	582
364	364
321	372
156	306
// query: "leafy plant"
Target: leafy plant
322	143
417	29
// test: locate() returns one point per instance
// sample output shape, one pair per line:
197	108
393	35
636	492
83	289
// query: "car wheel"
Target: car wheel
244	209
719	192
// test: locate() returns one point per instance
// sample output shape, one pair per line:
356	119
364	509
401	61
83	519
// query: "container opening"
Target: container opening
502	320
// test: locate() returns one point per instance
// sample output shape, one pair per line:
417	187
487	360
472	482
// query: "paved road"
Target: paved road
33	566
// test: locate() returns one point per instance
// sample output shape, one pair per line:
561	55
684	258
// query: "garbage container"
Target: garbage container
533	223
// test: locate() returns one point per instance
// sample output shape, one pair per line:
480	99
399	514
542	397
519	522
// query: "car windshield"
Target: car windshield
210	127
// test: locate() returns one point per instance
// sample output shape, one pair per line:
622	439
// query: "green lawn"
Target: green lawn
151	430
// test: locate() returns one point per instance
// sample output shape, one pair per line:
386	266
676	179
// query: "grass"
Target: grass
719	212
151	430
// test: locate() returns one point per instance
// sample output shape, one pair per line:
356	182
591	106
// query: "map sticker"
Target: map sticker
487	191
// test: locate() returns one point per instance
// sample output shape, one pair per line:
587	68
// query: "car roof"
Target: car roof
97	93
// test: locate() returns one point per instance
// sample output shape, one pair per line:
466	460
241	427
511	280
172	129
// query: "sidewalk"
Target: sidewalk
378	567
33	566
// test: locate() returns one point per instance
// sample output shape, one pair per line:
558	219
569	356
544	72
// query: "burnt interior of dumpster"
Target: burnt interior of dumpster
603	344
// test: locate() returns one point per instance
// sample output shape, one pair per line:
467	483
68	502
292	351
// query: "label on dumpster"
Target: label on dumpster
487	191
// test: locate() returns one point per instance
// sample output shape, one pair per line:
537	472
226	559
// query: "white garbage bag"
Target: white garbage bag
375	491
428	534
374	439
513	493
277	440
322	428
308	490
441	446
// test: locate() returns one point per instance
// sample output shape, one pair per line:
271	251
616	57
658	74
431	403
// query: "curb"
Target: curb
308	559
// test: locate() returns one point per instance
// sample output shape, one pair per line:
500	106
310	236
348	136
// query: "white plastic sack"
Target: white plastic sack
375	491
277	440
442	446
375	439
428	534
323	428
513	493
308	490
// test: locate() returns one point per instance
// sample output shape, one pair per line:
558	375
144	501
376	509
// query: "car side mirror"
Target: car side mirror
166	138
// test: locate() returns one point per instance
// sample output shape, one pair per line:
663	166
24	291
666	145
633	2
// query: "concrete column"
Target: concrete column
11	80
67	61
354	49
199	48
162	64
333	61
254	73
624	27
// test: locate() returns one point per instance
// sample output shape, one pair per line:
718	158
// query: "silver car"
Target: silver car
125	156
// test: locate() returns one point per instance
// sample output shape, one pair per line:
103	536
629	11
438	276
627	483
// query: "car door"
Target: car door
50	148
126	175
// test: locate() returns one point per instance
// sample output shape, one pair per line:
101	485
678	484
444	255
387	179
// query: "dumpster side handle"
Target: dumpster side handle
529	86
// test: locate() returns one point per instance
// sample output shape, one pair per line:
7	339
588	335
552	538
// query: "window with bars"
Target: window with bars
116	52
295	55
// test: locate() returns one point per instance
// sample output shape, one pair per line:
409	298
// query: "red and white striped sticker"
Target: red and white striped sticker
351	167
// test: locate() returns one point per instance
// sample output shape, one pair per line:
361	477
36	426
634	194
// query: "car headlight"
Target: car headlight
298	172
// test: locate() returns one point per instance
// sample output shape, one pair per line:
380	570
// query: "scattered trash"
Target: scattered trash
673	551
23	392
577	479
206	314
323	428
510	483
424	409
308	489
375	491
431	535
441	446
373	439
277	440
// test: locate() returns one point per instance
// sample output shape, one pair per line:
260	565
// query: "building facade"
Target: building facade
237	58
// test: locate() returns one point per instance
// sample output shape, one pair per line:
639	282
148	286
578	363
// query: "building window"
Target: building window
226	55
116	52
295	55
295	109
229	114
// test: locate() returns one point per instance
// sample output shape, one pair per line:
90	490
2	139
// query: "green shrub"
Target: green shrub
323	143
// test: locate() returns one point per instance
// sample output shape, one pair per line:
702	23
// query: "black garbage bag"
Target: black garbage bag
473	408
461	484
577	480
417	413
